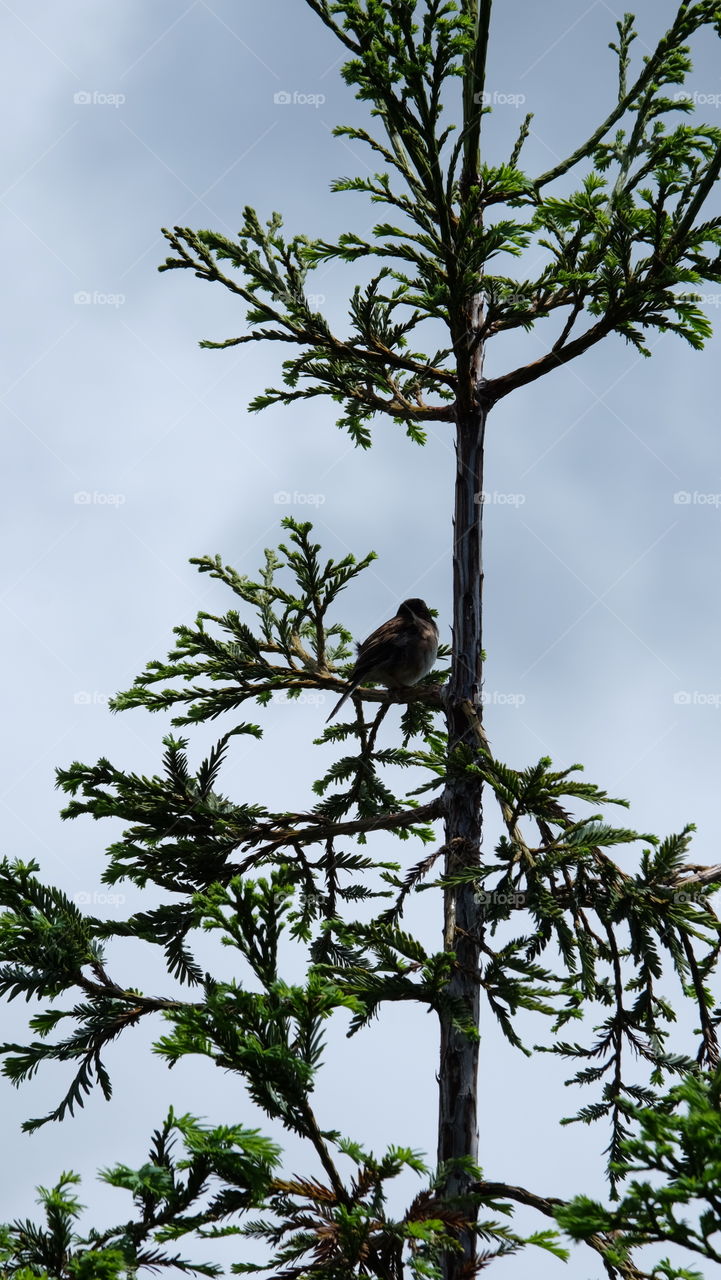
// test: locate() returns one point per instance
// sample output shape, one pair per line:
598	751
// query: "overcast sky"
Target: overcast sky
128	450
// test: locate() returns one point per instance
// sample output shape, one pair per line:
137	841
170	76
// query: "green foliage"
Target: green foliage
290	649
616	934
315	922
221	1171
623	250
678	1149
589	936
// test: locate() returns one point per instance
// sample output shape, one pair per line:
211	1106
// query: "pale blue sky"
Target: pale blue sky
602	590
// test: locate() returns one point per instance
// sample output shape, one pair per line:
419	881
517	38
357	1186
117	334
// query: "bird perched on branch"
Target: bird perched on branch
400	652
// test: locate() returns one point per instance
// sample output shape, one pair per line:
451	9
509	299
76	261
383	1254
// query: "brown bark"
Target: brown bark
458	1073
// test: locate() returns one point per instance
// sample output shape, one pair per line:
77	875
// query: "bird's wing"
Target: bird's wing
388	642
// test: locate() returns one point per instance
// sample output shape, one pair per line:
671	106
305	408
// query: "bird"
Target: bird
400	652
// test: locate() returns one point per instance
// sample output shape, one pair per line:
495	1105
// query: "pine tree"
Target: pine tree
625	245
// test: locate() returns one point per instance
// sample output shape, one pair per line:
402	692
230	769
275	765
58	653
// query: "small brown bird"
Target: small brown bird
399	653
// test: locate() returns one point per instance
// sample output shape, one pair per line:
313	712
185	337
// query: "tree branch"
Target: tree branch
495	388
320	831
664	46
474	81
547	1206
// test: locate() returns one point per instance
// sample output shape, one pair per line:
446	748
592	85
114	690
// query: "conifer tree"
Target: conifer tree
546	923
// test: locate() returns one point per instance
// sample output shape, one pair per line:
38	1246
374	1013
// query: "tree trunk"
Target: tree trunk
458	1074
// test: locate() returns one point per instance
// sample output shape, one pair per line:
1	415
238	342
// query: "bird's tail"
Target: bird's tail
351	689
